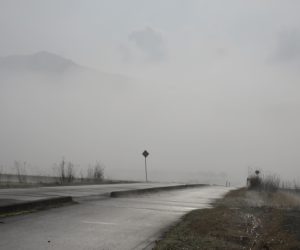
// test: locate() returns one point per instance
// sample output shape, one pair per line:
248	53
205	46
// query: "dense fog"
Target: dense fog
209	88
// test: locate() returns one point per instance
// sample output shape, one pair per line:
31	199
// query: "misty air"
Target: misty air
149	124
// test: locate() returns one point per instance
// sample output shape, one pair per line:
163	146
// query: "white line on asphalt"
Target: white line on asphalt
99	222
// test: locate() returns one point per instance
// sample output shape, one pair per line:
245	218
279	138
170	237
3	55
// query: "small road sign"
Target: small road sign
145	154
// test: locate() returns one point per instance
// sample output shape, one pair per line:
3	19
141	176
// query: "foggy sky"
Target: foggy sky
209	88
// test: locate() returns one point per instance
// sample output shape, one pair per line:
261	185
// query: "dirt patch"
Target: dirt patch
241	220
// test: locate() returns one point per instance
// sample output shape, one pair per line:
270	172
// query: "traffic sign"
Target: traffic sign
145	153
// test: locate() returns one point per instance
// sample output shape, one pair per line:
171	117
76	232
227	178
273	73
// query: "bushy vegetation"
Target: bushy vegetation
269	183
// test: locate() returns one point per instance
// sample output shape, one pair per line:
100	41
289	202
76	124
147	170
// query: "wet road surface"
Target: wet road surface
101	222
14	195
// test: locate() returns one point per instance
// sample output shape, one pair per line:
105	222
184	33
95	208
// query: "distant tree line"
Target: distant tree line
65	173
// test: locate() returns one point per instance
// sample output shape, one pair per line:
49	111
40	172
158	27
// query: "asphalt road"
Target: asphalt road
101	222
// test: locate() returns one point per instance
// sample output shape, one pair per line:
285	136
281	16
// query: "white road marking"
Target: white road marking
99	222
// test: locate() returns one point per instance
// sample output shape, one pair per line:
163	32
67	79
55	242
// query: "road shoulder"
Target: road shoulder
241	220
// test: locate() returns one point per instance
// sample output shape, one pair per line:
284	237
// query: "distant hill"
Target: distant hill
46	67
42	62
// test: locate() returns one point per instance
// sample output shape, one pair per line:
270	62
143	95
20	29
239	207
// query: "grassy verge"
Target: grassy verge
241	220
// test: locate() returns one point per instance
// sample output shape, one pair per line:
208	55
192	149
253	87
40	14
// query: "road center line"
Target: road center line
99	222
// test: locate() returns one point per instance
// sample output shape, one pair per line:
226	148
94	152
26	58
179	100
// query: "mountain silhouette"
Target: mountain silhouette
43	62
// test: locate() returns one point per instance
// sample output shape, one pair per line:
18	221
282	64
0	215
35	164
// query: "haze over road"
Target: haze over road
100	222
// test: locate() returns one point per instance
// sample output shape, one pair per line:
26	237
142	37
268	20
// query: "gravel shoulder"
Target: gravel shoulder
243	219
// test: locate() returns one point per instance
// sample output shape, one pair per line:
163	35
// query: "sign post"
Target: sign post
145	154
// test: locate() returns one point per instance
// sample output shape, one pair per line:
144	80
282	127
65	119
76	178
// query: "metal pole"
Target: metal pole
146	169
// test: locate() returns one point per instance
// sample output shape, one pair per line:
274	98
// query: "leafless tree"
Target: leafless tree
66	172
70	174
61	171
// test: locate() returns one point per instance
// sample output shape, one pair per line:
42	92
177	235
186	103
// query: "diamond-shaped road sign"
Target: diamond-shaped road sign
145	153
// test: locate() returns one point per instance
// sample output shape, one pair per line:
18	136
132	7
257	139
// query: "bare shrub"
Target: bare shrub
254	180
98	172
20	171
291	186
95	173
90	173
269	183
66	172
61	171
296	186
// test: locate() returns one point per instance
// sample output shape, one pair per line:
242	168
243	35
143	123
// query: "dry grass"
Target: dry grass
241	220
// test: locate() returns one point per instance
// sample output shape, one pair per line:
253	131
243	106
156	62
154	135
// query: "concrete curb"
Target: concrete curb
125	193
33	205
